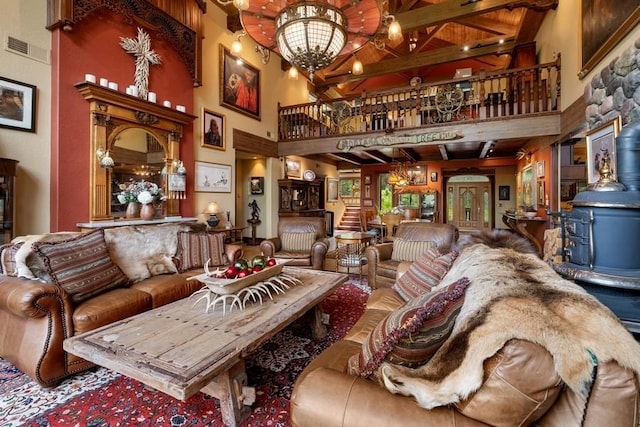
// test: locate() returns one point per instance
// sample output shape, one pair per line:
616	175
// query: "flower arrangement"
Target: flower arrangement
144	192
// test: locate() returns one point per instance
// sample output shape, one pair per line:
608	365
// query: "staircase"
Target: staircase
350	220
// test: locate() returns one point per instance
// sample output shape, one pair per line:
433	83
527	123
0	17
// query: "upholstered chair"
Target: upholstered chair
411	239
300	239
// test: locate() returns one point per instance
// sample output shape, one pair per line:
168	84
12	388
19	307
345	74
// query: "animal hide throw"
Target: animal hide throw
515	295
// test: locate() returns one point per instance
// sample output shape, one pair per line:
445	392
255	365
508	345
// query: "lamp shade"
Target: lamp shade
212	208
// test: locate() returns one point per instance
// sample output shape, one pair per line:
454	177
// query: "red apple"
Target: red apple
231	272
271	262
257	268
243	273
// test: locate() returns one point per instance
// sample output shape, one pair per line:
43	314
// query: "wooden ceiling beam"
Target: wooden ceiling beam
443	151
378	156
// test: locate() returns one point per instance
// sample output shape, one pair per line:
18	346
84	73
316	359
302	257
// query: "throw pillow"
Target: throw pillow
194	249
424	273
297	242
411	335
8	259
409	250
81	265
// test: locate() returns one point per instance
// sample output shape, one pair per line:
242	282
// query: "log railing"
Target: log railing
513	93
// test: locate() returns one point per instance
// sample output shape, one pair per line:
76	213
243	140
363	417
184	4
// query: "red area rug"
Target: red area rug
103	398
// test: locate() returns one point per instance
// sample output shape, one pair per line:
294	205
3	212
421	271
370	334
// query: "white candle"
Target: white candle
151	97
91	78
134	90
113	85
104	82
181	108
129	91
167	104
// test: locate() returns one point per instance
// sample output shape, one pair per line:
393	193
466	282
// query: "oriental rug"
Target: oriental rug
100	397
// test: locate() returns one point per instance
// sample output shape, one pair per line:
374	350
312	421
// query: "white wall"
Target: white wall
26	20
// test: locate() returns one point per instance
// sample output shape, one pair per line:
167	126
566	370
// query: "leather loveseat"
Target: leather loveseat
519	386
381	265
37	314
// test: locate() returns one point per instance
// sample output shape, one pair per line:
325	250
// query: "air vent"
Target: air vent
27	49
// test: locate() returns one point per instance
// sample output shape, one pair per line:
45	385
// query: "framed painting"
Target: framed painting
604	24
540	169
504	192
292	168
332	189
17	105
212	177
601	141
239	84
256	185
529	187
213	130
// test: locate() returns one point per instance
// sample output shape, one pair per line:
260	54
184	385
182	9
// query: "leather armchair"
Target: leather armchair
382	269
310	257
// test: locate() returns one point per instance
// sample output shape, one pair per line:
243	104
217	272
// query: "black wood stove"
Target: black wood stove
602	244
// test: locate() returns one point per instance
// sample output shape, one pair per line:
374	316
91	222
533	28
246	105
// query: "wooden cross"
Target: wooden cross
141	49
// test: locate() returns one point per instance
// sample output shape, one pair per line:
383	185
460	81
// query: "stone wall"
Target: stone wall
615	90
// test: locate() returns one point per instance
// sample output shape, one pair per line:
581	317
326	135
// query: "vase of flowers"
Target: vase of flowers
146	193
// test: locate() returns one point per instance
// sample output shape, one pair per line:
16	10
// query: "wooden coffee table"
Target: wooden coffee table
181	350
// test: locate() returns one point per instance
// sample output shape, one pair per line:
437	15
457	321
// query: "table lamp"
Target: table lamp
212	209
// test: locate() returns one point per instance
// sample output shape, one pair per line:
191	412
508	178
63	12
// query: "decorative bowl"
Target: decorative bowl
229	286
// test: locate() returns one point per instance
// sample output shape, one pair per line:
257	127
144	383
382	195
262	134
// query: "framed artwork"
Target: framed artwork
332	189
540	192
18	106
212	130
256	185
367	202
601	140
367	179
434	176
367	191
239	85
212	177
292	168
604	24
177	182
540	169
529	187
504	192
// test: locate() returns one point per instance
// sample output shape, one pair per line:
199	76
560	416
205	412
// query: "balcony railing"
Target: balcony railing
513	93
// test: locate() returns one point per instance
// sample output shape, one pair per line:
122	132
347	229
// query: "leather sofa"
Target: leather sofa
520	387
36	316
311	254
382	268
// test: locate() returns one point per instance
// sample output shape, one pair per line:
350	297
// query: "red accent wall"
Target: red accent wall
93	46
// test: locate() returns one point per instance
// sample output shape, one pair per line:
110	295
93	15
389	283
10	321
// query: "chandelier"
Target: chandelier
311	34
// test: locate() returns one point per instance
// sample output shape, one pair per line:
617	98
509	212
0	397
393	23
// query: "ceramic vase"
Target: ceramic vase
132	210
147	211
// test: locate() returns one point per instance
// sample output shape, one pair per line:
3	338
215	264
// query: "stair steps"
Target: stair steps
350	220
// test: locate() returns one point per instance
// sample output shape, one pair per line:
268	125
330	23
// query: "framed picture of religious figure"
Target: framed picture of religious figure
212	130
601	142
239	84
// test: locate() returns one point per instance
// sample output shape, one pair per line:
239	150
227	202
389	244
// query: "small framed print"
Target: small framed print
256	185
332	189
367	179
212	177
434	176
504	192
540	169
292	168
601	141
212	130
17	105
367	202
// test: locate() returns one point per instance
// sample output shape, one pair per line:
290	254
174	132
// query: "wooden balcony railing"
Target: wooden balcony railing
513	93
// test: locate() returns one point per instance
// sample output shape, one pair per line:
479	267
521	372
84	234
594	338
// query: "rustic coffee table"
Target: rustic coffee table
180	349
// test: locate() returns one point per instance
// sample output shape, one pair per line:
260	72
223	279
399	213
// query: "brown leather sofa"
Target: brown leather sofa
520	388
311	256
382	268
36	317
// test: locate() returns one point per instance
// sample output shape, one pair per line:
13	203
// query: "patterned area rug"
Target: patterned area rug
101	397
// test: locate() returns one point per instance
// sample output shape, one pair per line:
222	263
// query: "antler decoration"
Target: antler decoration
141	49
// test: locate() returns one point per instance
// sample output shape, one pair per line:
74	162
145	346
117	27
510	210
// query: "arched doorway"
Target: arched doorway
469	202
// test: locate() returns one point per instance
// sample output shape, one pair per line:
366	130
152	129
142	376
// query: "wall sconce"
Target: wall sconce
104	158
236	45
292	74
212	209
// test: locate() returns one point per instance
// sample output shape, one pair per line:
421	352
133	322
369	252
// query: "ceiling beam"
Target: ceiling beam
378	156
483	47
346	157
485	149
443	151
452	10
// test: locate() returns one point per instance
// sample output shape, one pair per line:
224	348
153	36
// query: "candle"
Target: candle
151	97
167	104
181	108
91	78
134	90
104	82
113	85
129	91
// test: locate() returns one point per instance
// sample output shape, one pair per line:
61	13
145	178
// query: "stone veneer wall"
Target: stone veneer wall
615	91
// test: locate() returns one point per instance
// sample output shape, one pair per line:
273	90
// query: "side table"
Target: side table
350	250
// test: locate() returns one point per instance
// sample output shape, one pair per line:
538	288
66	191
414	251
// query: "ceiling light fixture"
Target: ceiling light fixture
292	74
239	4
356	68
311	34
394	29
236	45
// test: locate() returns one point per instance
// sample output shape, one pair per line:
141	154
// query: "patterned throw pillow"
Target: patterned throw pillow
411	335
409	250
8	259
82	265
297	242
194	249
424	273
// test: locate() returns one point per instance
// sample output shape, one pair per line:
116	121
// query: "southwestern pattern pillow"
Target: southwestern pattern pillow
297	242
82	265
194	249
409	250
424	273
8	259
411	335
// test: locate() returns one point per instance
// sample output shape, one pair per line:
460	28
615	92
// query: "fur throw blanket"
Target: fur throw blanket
515	295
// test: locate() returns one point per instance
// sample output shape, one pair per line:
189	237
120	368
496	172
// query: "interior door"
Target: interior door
469	205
